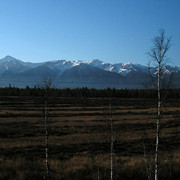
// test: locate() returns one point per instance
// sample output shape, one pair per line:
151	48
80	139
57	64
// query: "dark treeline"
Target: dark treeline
85	92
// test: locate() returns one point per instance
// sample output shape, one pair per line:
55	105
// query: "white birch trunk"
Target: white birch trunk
158	54
112	143
46	137
158	127
147	163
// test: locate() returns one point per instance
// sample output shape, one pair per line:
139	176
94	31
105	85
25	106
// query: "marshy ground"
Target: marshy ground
79	138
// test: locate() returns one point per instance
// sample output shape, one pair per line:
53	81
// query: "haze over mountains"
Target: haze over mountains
72	74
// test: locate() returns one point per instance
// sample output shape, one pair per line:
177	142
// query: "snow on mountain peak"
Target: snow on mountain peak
15	65
9	61
127	65
76	62
95	62
9	58
65	62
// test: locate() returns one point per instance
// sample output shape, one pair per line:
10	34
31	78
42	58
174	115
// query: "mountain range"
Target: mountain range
73	74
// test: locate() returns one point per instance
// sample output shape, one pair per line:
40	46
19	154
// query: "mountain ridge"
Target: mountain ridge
76	73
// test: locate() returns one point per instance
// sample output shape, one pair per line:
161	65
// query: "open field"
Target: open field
79	139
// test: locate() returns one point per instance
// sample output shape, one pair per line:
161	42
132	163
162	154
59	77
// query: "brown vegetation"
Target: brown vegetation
78	138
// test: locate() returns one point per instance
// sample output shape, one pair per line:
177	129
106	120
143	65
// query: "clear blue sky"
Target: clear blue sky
110	30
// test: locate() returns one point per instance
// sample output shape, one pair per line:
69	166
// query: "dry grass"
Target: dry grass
79	137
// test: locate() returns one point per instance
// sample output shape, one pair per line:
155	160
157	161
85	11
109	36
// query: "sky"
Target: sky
114	31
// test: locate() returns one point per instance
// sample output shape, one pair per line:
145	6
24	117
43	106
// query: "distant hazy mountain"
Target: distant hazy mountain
92	74
12	65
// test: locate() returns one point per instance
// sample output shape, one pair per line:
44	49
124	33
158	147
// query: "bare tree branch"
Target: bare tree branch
47	83
158	80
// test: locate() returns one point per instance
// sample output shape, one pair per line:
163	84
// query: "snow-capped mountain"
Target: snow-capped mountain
11	65
61	65
120	68
95	73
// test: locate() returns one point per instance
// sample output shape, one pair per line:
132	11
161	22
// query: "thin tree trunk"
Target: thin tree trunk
112	156
98	173
158	128
46	137
112	143
158	54
147	163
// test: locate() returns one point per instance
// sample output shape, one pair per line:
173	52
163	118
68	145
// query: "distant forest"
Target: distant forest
89	93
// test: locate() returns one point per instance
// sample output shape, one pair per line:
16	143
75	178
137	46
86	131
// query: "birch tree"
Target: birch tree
112	141
97	160
158	53
110	123
47	82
